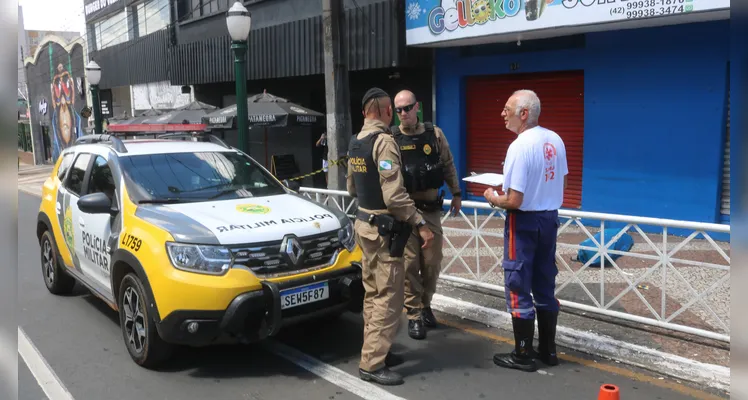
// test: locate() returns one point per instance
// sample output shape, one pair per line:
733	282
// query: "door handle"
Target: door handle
82	223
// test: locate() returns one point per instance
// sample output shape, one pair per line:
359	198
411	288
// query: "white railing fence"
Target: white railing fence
664	280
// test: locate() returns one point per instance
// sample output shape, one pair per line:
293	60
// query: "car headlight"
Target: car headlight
345	234
213	260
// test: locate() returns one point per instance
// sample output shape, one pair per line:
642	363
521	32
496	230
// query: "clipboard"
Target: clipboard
488	179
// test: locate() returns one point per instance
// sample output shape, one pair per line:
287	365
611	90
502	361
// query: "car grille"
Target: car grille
267	259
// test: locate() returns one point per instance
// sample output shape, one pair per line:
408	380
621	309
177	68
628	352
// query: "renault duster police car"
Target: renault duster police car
192	242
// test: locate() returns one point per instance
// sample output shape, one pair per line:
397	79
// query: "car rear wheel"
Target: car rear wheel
57	281
142	340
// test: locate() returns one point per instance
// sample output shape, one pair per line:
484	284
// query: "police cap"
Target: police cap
373	93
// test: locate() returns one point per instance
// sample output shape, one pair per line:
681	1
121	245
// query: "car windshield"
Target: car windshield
200	176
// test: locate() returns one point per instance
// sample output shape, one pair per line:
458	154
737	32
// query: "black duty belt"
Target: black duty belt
366	217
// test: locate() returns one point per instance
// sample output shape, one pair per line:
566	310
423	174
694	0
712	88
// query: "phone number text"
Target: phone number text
651	11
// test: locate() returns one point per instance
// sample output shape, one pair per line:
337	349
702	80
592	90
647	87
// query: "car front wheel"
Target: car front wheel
142	340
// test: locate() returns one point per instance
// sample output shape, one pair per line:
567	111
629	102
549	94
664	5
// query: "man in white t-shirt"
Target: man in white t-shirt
535	172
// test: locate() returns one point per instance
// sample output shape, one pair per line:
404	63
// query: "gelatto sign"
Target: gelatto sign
430	21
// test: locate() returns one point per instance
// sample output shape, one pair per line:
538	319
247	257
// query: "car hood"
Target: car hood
242	221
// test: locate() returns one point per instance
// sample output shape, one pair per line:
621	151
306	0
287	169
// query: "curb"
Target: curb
714	376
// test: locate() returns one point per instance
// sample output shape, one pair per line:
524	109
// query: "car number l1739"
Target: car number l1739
304	295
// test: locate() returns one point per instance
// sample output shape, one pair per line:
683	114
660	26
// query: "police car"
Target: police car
192	243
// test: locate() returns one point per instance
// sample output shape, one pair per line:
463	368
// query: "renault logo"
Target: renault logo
292	250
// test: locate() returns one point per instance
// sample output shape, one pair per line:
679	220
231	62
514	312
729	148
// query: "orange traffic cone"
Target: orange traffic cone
609	392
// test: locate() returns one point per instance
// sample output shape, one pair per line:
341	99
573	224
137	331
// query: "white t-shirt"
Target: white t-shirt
536	165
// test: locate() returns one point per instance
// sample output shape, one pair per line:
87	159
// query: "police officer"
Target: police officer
535	172
385	219
427	164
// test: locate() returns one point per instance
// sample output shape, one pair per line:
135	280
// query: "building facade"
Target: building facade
638	91
188	50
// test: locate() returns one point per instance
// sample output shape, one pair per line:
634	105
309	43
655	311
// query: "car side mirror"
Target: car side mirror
293	185
97	203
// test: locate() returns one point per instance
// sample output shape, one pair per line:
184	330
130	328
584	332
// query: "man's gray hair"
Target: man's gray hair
528	100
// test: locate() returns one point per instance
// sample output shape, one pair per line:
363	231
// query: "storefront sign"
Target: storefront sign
105	100
430	21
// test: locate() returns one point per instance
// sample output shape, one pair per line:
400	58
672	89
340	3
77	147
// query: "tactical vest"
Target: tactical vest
422	168
365	174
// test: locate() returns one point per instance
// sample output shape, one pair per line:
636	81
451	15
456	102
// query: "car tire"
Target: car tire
142	340
55	278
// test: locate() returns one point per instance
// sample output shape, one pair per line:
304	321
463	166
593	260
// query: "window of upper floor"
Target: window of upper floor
152	16
194	9
112	30
136	21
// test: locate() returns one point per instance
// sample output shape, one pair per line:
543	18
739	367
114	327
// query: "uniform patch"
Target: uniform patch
427	149
385	165
252	209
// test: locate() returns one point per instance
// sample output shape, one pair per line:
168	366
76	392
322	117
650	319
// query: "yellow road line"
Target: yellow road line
688	391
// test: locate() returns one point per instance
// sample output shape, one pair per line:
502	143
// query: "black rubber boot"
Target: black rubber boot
416	330
382	376
547	321
428	318
522	356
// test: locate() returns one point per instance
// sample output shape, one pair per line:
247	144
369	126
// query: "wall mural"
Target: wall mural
56	81
66	122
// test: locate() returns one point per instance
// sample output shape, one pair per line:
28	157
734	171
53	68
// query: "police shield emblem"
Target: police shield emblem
427	149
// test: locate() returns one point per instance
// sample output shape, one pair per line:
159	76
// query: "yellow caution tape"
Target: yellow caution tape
329	164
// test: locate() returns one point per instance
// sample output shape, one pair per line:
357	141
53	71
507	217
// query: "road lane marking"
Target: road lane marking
331	374
694	393
45	376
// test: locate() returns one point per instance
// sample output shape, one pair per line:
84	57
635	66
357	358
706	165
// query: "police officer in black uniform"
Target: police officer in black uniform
427	165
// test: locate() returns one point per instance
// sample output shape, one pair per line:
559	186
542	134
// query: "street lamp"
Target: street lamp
93	75
238	20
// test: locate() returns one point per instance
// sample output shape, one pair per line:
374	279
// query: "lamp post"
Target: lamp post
238	20
93	75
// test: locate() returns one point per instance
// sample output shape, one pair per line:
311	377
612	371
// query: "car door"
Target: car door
96	229
70	215
58	223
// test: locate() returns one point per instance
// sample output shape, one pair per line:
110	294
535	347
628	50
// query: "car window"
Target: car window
101	178
198	176
67	159
75	182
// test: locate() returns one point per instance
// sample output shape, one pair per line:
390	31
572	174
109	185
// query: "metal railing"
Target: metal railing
692	292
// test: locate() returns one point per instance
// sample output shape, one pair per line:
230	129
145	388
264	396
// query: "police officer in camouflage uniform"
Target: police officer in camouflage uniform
427	164
385	218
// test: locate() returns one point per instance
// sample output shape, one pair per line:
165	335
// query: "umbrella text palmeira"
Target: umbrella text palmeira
266	110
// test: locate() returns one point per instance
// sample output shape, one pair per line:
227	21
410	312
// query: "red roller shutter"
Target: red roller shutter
562	110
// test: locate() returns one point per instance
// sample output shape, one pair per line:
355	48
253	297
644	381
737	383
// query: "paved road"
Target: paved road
81	341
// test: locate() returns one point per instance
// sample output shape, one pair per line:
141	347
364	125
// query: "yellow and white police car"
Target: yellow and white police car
192	242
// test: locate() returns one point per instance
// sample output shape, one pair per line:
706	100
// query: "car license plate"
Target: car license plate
304	295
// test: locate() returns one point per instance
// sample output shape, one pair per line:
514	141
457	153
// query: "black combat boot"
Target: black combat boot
547	321
428	318
416	330
522	356
382	376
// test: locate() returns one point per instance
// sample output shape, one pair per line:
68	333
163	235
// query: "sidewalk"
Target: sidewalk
684	280
32	177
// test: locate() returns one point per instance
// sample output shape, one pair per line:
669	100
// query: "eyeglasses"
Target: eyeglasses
405	108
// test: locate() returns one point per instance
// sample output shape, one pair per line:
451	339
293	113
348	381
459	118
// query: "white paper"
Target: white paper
489	179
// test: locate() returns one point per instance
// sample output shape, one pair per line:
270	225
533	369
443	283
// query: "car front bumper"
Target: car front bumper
255	315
